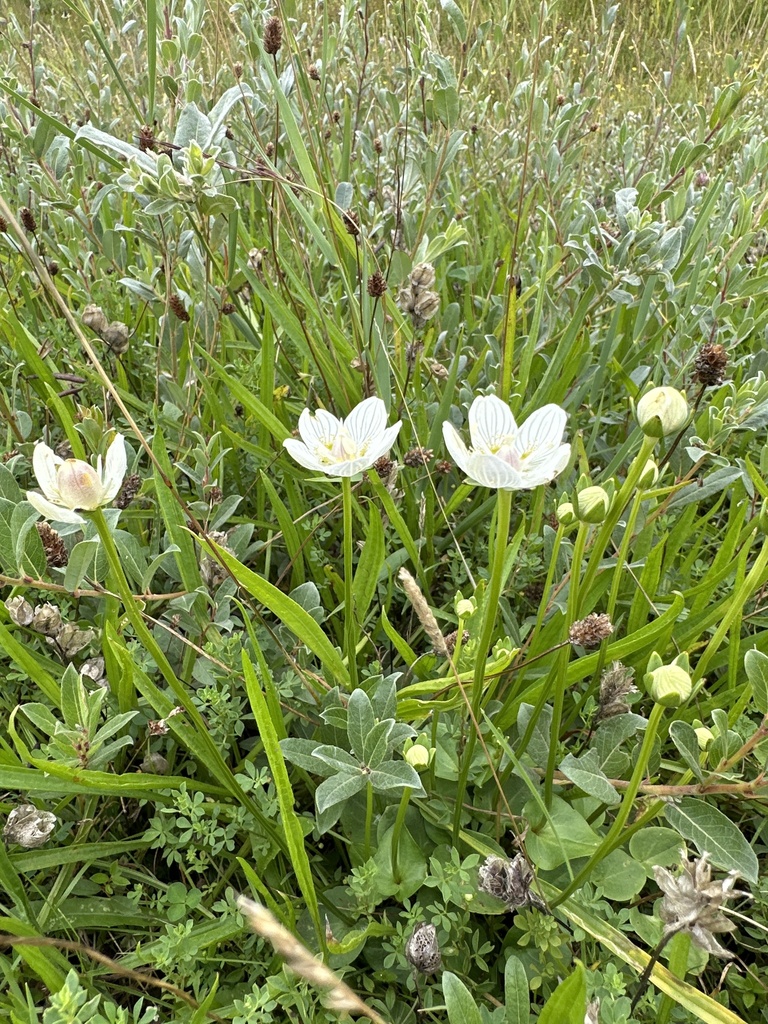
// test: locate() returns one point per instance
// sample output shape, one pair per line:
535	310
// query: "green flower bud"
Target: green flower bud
704	737
566	513
669	685
649	476
592	505
465	608
662	411
418	756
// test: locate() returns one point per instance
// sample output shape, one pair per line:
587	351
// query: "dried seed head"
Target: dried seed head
615	684
29	827
423	611
692	903
701	179
93	669
28	220
422	277
422	950
71	639
378	145
52	267
155	764
443	466
591	631
228	308
510	881
384	466
418	457
20	611
273	35
592	1016
56	554
116	337
47	619
313	72
3	225
438	371
238	69
377	284
709	366
425	307
352	222
129	490
93	317
176	306
147	139
212	571
451	638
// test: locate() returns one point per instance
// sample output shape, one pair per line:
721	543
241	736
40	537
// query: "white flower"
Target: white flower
69	484
343	447
504	455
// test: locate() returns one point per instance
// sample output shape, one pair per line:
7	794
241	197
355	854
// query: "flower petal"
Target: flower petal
543	429
490	420
491	471
319	428
366	422
381	446
455	445
350	468
54	512
541	467
44	463
114	468
301	454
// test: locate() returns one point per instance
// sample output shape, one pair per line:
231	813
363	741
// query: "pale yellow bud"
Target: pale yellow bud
662	411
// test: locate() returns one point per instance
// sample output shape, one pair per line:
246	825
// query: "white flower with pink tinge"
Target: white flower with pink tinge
505	456
343	447
69	484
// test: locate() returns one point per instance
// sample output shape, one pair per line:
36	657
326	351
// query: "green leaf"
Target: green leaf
562	836
453	11
370	565
712	832
568	1003
80	561
446	103
288	612
344	194
336	790
619	876
517	999
360	721
376	743
294	834
756	665
655	845
395	775
173	517
684	737
301	753
585	772
462	1008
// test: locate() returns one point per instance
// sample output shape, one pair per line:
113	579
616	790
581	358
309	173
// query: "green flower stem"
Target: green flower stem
490	612
397	829
754	580
368	819
350	625
614	837
561	663
618	505
622	557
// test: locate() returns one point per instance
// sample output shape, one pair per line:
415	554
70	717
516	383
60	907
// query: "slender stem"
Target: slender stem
350	630
561	663
614	837
621	558
617	507
398	828
490	612
368	819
